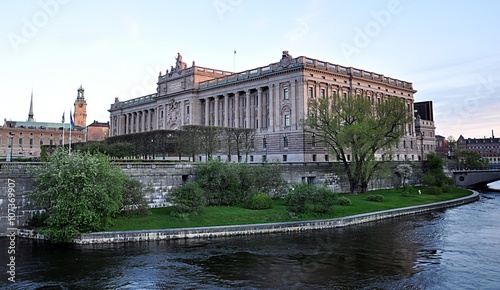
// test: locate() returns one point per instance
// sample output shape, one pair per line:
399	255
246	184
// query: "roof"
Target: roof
34	125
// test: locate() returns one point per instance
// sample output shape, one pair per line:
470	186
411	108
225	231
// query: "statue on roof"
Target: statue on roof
179	64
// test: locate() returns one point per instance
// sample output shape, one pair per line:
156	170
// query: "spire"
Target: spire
30	114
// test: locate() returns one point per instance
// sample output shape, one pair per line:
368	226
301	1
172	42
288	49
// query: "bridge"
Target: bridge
467	178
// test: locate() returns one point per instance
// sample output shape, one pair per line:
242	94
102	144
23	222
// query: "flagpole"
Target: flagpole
63	121
234	62
70	125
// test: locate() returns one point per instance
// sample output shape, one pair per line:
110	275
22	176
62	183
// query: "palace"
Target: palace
24	138
271	99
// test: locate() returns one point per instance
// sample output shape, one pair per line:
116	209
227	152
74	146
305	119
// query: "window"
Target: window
323	93
285	141
60	143
411	144
313	141
51	142
41	142
187	110
264	142
264	158
287	120
311	92
285	158
285	94
314	157
251	158
334	93
345	96
327	158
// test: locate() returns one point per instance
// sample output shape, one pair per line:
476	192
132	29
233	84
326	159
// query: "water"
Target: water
456	248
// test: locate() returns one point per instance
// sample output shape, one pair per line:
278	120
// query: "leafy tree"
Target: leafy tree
433	172
133	198
79	192
355	128
472	160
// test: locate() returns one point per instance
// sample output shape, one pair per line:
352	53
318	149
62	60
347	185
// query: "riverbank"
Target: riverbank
255	229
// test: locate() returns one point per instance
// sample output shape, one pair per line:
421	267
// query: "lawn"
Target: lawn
160	218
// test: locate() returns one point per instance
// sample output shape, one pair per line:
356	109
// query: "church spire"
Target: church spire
30	114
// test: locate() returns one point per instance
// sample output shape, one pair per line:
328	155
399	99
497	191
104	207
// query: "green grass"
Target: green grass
160	218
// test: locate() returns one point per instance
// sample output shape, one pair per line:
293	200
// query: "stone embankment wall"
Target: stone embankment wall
160	178
226	231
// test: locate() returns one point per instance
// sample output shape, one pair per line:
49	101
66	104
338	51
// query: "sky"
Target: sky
448	49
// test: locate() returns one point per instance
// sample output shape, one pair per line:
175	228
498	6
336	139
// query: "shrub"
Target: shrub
297	198
189	199
434	190
258	200
343	201
446	188
306	198
377	198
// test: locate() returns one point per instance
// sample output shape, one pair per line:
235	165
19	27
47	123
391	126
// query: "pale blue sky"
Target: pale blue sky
116	48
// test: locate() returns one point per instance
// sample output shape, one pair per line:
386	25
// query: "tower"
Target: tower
80	109
30	114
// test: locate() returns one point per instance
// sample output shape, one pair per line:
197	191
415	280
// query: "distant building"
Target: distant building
488	148
442	148
97	131
425	128
272	100
24	138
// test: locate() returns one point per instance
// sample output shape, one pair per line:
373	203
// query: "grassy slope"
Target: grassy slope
160	218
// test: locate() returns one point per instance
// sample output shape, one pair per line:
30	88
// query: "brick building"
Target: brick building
24	138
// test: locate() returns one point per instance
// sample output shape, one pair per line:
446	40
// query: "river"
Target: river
455	248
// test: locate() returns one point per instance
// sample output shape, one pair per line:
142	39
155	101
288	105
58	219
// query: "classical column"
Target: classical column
277	101
207	113
216	110
272	96
236	110
247	109
143	121
226	110
259	109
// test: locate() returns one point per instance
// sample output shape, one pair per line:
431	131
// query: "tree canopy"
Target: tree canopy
79	192
355	128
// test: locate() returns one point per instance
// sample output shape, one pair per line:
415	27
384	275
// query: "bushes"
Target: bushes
377	198
343	201
258	200
308	198
434	190
231	183
189	199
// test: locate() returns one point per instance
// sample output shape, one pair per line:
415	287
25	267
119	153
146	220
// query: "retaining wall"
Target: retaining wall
254	229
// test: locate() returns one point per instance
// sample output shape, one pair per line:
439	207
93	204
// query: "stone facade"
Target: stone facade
271	99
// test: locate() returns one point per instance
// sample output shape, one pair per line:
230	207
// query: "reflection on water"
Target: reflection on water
447	249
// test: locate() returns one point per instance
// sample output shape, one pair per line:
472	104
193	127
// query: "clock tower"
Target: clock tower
80	109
